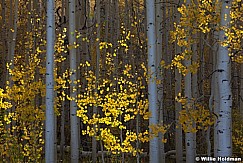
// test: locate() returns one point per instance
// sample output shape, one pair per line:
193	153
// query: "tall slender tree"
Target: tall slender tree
4	42
178	107
189	136
159	21
152	87
49	124
94	141
241	91
73	86
225	96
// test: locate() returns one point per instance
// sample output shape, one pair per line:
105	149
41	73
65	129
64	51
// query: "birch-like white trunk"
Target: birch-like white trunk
152	87
73	87
189	138
215	91
225	96
190	147
49	124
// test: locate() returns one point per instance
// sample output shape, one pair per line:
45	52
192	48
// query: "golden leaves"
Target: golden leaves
117	100
194	116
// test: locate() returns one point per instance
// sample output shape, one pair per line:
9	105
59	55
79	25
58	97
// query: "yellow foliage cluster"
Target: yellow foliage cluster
198	16
118	101
237	136
23	119
21	112
194	116
235	33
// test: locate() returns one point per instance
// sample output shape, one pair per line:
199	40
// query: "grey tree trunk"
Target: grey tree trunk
49	124
97	72
152	87
189	138
73	86
241	91
178	136
4	43
225	96
13	42
159	21
194	86
190	148
216	92
178	107
63	110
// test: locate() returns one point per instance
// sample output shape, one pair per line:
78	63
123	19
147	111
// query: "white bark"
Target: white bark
225	95
216	92
190	138
49	124
152	87
73	87
190	144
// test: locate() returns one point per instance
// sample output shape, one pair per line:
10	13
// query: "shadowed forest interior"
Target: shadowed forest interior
123	81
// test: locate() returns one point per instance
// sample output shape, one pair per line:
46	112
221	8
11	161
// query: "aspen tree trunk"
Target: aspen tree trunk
216	93
241	90
178	107
62	128
73	87
216	84
190	141
49	124
212	96
55	95
159	19
167	57
13	43
109	10
79	8
178	136
194	86
190	148
202	65
107	15
152	87
4	44
97	71
10	34
9	43
225	96
138	117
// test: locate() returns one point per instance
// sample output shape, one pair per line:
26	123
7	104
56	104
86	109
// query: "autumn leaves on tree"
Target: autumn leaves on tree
120	81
